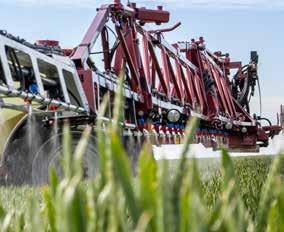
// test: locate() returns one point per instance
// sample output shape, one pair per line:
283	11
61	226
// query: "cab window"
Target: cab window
21	68
72	88
50	80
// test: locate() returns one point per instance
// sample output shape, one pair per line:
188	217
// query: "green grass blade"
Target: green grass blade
267	195
181	172
20	222
103	142
165	211
147	175
7	222
53	181
80	151
50	209
119	102
67	153
122	172
228	170
74	208
143	223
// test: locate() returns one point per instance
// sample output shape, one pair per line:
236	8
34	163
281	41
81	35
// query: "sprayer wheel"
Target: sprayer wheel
16	160
50	154
30	150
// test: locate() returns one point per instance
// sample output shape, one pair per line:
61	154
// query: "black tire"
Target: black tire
19	152
31	142
51	153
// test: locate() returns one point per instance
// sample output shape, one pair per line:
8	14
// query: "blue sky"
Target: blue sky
234	26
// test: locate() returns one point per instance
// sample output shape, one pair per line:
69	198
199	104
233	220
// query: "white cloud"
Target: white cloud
250	4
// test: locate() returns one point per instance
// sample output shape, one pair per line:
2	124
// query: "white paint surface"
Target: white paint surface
199	151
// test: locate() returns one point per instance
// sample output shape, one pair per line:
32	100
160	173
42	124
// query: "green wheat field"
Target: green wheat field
207	205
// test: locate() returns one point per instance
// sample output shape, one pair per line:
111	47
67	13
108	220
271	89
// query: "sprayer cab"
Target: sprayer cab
38	73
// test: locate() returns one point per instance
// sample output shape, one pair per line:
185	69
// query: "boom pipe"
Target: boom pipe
41	100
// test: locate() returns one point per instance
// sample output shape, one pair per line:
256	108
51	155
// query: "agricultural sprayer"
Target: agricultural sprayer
42	85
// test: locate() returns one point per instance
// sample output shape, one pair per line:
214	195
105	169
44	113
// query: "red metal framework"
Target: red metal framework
184	76
164	84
